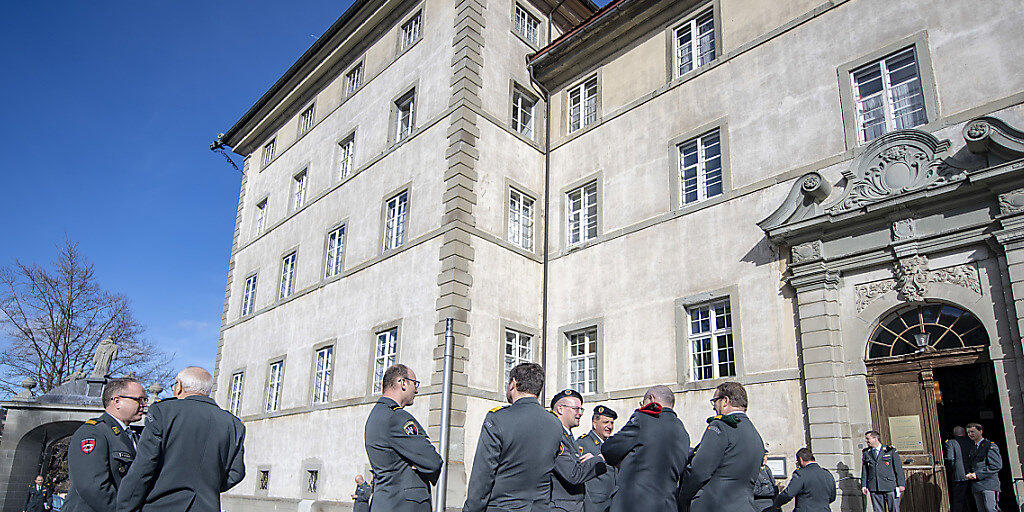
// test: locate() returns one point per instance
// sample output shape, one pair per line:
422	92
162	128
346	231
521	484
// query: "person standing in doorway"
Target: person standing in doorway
956	450
362	495
881	475
38	499
983	464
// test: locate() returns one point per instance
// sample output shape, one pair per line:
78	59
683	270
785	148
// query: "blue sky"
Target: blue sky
109	109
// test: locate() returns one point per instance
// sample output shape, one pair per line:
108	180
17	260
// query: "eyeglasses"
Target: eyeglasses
717	398
142	400
415	383
577	409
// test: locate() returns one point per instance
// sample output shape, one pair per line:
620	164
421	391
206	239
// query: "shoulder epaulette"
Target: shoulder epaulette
90	422
395	407
498	408
728	419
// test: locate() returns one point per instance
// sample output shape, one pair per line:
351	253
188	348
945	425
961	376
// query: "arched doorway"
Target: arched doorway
928	369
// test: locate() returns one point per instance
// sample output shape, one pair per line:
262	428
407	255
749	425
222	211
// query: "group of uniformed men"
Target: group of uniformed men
528	460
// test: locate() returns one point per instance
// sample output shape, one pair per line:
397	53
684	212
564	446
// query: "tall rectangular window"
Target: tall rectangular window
312	480
299	190
307	119
322	374
522	112
249	296
261	217
346	150
889	95
385	355
235	400
268	151
700	167
394	220
405	115
411	31
581	204
354	79
263	482
583	104
710	335
695	43
287	275
520	219
274	376
583	361
335	251
527	25
518	350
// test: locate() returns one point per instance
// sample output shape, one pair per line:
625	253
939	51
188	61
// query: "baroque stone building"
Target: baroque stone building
821	200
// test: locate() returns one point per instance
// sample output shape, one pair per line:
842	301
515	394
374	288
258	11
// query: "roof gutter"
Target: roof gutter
579	31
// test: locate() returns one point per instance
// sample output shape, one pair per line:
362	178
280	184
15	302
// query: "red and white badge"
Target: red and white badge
88	445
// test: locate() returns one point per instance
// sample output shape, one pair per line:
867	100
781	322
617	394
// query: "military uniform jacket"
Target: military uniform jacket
955	460
650	452
601	487
38	500
99	454
568	489
403	460
724	467
881	472
985	462
812	486
515	459
190	452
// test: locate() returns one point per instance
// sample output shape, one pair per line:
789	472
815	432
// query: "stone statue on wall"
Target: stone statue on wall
106	351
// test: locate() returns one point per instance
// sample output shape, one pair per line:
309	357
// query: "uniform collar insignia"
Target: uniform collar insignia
729	419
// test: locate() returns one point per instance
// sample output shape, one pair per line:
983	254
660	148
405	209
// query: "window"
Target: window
583	361
312	476
346	149
527	25
889	95
235	400
354	79
700	168
522	112
268	151
583	104
299	190
275	373
322	374
520	219
264	479
385	354
411	31
944	327
394	220
710	335
287	275
307	119
405	115
582	214
261	216
694	43
249	296
335	250
518	350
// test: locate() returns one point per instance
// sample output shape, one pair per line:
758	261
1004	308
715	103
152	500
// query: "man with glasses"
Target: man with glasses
102	449
573	468
404	462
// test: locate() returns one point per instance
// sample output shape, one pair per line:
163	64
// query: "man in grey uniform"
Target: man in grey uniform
600	488
573	467
812	487
515	454
956	450
881	474
404	462
725	464
984	464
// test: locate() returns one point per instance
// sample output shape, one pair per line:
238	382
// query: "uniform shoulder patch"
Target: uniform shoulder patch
90	422
498	408
714	428
88	445
410	428
116	429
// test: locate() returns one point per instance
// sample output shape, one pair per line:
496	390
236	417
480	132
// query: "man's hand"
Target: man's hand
353	496
864	491
971	476
586	457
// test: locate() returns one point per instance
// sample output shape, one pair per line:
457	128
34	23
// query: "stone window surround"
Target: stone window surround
333	342
411	88
280	274
541	29
360	62
300	130
262	493
597	176
266	382
563	355
401	48
684	365
349	135
407	188
253	273
538	213
311	464
302	168
230	387
675	194
538	104
343	223
564	126
265	201
848	102
670	48
377	329
511	325
264	161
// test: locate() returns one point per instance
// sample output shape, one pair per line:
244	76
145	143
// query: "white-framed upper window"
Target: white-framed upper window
522	112
520	219
249	296
889	95
385	354
335	251
268	151
235	400
394	220
261	217
411	30
288	275
299	183
583	104
322	374
581	206
518	350
405	115
711	342
583	361
346	156
307	119
527	25
694	42
700	167
275	373
354	79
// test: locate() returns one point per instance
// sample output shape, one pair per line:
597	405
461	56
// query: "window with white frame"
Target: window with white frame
249	296
581	203
287	275
711	342
527	25
268	151
583	104
261	217
583	361
700	168
385	354
394	220
411	31
322	374
520	219
346	150
335	251
235	400
889	95
307	119
518	350
522	112
694	43
299	182
405	115
274	376
354	79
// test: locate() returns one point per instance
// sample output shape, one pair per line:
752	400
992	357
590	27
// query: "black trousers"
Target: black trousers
960	496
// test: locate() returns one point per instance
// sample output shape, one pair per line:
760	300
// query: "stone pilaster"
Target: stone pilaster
231	271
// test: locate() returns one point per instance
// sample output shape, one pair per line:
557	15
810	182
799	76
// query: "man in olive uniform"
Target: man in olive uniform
650	452
515	454
404	462
190	451
812	486
38	499
724	467
984	463
881	474
601	487
102	449
573	467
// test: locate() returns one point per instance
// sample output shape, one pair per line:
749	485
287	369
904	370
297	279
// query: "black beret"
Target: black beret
605	411
564	393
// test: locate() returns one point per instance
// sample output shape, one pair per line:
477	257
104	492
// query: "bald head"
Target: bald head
959	431
195	381
661	394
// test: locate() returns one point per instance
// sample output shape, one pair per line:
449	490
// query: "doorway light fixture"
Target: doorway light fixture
922	340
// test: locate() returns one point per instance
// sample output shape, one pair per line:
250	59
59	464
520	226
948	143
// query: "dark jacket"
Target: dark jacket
362	501
812	486
985	462
568	487
403	460
38	499
190	451
955	457
724	466
765	489
601	487
99	454
882	472
650	452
